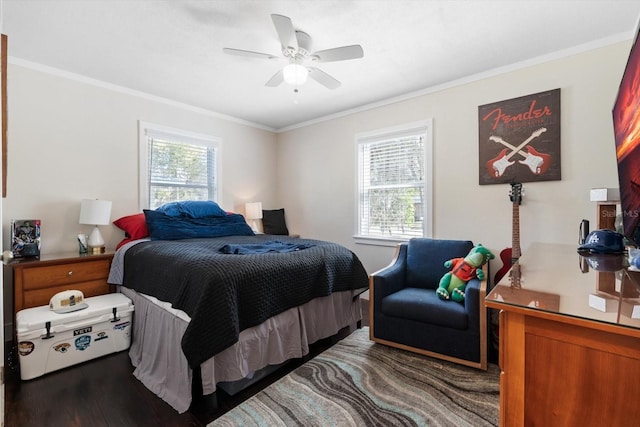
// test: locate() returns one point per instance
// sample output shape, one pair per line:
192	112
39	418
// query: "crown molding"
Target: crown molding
128	91
561	54
429	90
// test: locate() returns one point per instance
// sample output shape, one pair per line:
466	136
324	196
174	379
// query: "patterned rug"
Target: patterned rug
359	383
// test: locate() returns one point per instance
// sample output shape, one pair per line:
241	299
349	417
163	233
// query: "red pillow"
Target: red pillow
134	226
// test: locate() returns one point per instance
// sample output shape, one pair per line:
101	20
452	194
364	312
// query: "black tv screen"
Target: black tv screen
626	125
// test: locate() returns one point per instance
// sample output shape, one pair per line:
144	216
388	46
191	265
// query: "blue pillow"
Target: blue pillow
164	227
169	209
192	209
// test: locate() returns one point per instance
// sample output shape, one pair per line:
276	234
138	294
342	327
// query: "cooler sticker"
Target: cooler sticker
25	348
83	342
82	331
101	335
121	326
62	348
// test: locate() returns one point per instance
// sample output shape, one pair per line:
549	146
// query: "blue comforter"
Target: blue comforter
270	246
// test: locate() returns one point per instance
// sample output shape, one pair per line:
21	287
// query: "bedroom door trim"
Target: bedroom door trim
3	166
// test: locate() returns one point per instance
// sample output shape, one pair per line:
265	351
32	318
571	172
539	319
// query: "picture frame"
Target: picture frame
25	238
519	139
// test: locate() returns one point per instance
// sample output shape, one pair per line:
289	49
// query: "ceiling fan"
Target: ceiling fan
296	48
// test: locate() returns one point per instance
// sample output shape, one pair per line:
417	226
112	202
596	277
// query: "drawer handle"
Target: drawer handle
70	273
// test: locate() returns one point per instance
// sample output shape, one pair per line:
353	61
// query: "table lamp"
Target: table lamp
253	212
95	212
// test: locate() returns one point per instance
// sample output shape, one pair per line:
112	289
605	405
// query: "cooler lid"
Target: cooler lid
35	318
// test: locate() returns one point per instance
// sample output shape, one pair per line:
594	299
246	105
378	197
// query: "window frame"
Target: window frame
424	127
147	130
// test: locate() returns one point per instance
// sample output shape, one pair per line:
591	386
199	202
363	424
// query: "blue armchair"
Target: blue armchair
406	312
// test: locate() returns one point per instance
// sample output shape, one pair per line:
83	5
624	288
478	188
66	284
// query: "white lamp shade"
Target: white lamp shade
253	210
95	212
295	74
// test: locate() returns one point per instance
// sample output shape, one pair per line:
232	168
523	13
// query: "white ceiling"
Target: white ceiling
173	49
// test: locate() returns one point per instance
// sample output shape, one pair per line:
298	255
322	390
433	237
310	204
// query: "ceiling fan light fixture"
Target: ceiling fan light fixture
295	74
296	49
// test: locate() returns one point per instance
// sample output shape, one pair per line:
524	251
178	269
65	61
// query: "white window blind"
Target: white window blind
392	199
178	166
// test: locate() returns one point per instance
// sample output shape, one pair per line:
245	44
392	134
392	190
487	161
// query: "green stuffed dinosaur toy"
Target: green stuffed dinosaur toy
453	283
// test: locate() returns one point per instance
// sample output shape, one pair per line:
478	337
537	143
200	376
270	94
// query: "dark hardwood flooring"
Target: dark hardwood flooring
103	392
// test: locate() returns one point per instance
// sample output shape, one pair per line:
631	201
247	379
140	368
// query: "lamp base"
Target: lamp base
254	226
95	238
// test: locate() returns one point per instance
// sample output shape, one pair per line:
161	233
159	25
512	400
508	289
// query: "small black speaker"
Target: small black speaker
584	231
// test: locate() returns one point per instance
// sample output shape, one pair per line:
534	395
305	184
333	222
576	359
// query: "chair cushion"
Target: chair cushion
423	305
426	257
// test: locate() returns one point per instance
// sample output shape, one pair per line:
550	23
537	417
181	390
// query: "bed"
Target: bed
228	309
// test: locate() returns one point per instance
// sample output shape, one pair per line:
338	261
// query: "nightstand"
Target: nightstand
36	280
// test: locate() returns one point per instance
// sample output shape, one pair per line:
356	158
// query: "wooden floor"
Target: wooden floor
103	392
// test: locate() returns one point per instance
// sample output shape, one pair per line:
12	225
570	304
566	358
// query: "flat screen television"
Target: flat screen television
626	125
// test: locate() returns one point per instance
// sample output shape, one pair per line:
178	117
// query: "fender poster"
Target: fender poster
520	139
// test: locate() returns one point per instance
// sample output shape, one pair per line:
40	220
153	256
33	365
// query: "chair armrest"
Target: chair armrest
474	296
391	278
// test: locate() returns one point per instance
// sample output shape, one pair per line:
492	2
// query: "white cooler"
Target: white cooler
48	341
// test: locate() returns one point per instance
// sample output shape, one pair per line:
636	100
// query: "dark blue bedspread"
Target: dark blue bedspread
225	294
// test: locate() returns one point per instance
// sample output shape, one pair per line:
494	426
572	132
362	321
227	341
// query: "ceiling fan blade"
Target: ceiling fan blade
248	53
276	79
339	53
323	78
286	33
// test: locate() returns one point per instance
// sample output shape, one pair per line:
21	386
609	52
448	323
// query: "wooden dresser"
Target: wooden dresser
569	341
35	281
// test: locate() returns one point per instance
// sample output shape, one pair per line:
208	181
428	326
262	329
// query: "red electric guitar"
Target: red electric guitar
537	162
510	256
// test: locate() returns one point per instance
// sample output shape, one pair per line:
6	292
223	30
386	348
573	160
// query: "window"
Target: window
176	165
394	184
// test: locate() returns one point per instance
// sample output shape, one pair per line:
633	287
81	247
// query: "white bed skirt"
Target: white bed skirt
162	367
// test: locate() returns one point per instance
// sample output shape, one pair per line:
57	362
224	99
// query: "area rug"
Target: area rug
359	383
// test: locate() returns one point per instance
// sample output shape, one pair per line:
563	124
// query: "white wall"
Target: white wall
316	174
70	140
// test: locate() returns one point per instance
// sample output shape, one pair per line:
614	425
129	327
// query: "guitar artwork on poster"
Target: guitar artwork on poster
519	139
510	256
537	162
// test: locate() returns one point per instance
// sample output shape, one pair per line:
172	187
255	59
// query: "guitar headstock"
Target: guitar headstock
516	193
539	132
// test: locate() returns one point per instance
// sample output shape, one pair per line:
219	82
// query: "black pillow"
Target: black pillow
273	222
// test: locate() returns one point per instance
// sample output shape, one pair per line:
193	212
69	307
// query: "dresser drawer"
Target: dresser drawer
35	281
64	274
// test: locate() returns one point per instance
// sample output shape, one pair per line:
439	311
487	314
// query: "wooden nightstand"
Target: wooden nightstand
35	281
